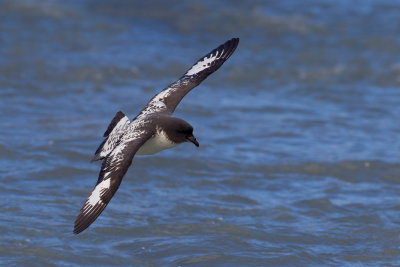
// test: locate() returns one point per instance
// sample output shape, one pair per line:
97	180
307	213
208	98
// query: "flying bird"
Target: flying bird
152	130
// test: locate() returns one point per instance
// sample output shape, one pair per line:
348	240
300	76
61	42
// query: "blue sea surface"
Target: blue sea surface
299	157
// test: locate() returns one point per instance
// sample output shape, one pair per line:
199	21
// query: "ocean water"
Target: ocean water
299	152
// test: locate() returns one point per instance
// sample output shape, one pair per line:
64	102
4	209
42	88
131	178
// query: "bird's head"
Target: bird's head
179	131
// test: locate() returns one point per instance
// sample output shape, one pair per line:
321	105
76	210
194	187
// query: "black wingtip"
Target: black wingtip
212	61
77	228
76	231
83	221
234	42
228	48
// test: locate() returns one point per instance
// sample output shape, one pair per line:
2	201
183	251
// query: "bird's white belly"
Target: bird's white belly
155	144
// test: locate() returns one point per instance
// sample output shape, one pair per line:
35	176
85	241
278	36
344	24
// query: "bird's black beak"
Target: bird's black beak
193	140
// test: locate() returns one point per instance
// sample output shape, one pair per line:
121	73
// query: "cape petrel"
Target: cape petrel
152	130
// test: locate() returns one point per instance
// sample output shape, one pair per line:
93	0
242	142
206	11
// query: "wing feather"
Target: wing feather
168	99
113	169
112	135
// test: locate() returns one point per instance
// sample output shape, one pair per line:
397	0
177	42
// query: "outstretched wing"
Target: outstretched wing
113	169
112	135
167	100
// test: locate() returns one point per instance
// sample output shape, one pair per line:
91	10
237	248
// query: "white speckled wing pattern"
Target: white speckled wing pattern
113	169
167	100
113	134
205	62
124	139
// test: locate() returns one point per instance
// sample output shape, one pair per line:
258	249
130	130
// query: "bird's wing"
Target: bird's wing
113	169
167	100
112	135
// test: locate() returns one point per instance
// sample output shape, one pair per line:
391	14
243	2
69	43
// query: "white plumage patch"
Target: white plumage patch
155	144
95	196
203	64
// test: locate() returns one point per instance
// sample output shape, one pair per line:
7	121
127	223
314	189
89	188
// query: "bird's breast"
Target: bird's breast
156	143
